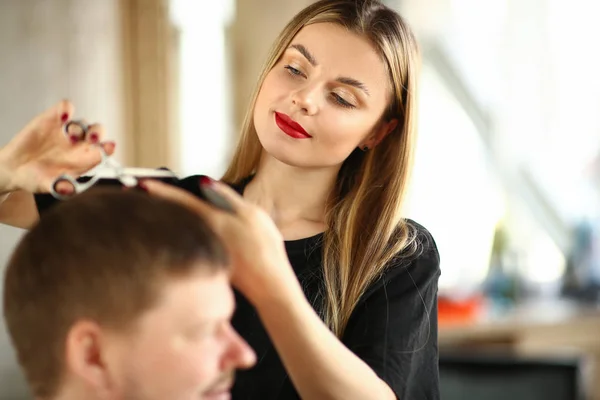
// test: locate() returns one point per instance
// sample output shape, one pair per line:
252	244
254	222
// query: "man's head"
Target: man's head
120	295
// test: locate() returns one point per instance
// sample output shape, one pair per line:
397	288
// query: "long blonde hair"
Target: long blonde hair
365	229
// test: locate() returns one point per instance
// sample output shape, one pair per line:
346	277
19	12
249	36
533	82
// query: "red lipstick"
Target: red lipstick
290	127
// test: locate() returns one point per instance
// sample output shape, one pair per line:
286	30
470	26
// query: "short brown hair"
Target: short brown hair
101	255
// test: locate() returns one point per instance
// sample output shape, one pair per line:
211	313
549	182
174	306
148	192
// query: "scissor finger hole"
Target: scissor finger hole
77	129
64	186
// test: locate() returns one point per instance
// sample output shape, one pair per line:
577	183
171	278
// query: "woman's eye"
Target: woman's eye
340	100
293	71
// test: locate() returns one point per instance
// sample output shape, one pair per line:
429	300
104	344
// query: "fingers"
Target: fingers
61	112
95	133
212	200
177	195
53	117
90	134
109	148
87	142
211	194
77	131
80	130
64	188
231	196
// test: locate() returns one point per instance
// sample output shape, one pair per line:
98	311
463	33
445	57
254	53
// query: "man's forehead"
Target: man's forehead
206	294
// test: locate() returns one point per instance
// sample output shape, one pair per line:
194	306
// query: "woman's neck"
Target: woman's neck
294	197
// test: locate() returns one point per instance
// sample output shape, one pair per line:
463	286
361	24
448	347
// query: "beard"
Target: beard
133	389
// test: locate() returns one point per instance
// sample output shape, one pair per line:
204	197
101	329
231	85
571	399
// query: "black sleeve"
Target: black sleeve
394	327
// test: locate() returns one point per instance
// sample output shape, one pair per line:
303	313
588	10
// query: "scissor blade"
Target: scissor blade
135	172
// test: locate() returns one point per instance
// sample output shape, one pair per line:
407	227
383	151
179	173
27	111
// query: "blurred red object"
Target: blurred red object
462	311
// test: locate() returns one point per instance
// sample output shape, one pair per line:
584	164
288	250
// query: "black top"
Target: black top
393	328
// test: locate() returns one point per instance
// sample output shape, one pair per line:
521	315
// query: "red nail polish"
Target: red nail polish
94	137
142	185
74	139
64	117
205	181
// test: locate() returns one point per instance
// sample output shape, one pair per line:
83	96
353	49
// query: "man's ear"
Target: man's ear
85	355
379	134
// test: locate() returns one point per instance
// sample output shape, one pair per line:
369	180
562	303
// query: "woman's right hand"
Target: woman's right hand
41	152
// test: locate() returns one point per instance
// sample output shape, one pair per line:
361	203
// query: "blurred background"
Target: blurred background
507	174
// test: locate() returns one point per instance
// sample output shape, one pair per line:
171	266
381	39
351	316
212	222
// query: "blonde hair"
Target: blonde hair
365	229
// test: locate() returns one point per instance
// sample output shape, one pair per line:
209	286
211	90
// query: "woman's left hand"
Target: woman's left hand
261	269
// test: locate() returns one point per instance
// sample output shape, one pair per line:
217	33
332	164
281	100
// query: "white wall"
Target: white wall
12	385
53	49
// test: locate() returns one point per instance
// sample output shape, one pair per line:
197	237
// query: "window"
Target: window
454	194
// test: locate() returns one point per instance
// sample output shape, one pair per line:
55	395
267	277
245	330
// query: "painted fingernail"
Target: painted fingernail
206	181
74	139
214	198
64	117
142	186
94	137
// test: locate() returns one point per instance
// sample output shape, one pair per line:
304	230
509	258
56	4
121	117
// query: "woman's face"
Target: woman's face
324	97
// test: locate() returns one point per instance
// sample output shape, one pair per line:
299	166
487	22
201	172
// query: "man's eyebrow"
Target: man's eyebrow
307	54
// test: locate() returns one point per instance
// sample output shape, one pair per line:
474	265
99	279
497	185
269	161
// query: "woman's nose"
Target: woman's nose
306	100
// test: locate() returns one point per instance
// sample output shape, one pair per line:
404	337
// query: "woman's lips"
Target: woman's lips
290	127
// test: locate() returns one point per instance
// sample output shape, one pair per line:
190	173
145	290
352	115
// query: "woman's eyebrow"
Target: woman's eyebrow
342	79
353	82
307	54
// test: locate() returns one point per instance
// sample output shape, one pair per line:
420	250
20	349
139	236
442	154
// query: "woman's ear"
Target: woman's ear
387	128
379	134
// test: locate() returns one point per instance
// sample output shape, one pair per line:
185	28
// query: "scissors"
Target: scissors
113	170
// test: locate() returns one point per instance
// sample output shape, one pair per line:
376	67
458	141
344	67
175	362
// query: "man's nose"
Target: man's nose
240	355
